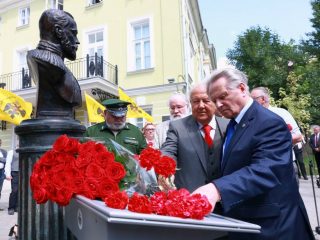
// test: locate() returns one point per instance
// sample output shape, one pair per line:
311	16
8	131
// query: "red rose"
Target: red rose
63	196
115	171
47	159
61	143
107	185
90	188
95	171
118	200
166	166
40	195
104	158
82	161
140	204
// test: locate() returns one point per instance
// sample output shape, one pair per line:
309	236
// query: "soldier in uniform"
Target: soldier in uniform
116	128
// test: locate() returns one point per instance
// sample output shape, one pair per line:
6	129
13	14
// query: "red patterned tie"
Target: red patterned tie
207	128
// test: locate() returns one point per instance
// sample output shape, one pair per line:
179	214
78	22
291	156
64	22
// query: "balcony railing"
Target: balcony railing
82	68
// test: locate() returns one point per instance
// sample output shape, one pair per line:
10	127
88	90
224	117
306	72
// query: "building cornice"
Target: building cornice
6	5
86	85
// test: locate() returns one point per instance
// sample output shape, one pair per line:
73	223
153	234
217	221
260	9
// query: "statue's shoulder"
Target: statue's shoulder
47	56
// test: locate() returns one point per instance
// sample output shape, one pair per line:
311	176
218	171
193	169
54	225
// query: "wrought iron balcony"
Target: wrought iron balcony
82	68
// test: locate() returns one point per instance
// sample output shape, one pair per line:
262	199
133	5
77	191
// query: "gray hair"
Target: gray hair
178	95
264	91
233	76
197	86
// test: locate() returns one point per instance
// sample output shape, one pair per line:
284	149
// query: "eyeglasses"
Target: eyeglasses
256	98
150	129
179	107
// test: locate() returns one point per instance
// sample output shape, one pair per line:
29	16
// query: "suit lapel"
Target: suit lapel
240	130
197	142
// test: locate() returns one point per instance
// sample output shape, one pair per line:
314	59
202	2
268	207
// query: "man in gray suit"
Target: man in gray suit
197	151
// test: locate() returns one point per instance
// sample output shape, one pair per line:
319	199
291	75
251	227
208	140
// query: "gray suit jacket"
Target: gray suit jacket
186	145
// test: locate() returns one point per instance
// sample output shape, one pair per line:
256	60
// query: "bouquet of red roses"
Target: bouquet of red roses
120	179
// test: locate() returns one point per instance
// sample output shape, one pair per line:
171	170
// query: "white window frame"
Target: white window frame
86	45
17	83
55	4
131	56
24	20
93	2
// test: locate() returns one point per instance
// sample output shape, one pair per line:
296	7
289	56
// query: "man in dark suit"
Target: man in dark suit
258	183
314	143
198	162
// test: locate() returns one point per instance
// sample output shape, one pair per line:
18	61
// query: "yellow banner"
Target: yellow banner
13	109
134	111
95	110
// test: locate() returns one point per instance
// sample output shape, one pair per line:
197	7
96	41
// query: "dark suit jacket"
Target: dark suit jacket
258	183
186	145
4	154
313	144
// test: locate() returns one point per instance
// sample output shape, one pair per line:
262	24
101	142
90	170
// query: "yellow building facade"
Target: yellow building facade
158	47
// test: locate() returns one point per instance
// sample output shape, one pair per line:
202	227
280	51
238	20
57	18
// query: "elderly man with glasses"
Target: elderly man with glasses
178	107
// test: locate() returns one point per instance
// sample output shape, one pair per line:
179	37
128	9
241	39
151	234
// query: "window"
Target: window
140	46
92	2
56	4
24	14
95	41
22	59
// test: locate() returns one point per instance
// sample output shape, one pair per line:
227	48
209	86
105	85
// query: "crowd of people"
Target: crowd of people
243	154
229	144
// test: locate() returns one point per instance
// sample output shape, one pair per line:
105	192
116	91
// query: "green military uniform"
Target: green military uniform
130	136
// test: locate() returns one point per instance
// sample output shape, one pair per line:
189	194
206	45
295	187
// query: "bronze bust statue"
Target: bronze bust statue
58	90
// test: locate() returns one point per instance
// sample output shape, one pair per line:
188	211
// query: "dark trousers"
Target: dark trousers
317	157
13	199
300	163
2	177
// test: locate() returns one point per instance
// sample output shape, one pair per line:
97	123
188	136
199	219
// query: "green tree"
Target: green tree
297	104
312	44
264	58
311	83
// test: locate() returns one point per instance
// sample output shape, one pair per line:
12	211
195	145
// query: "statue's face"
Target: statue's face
69	40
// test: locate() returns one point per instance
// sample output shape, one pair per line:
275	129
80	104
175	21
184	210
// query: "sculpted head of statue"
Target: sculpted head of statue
59	27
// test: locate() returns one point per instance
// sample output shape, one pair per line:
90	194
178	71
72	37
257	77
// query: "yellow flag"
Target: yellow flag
13	108
95	110
134	111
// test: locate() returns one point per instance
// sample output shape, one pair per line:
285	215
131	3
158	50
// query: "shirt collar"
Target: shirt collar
244	110
212	123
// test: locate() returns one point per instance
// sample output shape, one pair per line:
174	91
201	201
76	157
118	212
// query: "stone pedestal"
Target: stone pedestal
36	136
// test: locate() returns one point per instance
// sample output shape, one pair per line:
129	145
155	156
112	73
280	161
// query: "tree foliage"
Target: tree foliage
264	58
312	43
296	103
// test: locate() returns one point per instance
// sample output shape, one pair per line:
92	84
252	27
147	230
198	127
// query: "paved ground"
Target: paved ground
7	221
